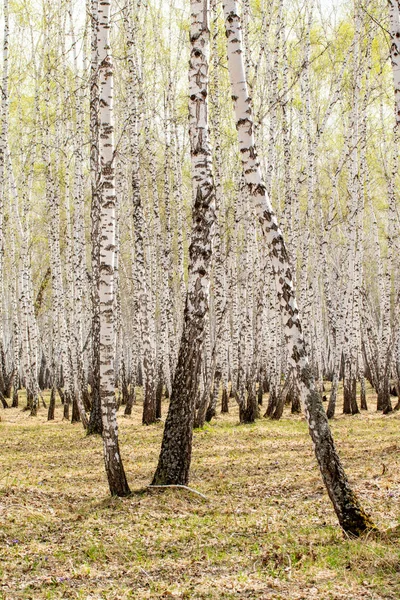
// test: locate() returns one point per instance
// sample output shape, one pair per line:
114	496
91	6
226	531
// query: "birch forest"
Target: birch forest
200	236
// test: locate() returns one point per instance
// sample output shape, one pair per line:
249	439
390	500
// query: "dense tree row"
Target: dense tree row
141	248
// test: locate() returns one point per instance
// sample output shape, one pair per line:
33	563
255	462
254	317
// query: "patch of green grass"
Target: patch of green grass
95	552
266	530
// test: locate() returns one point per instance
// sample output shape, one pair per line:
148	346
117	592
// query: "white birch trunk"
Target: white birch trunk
350	514
113	463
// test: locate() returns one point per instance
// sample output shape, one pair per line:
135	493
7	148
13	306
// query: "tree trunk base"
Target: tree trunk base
52	405
75	418
225	401
210	414
3	401
248	414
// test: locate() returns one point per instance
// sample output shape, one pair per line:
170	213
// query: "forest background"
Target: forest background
321	80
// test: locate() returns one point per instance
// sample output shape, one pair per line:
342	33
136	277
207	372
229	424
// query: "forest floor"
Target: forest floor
266	530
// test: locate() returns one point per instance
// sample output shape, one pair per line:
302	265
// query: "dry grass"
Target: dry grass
267	530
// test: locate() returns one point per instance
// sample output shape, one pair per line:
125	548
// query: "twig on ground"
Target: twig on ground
182	487
146	573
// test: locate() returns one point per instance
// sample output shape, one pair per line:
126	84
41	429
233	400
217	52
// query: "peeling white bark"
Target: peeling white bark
350	514
113	463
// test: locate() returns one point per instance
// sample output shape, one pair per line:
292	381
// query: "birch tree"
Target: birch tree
115	471
174	461
351	516
95	422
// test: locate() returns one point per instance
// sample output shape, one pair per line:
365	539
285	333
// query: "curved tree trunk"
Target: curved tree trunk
351	516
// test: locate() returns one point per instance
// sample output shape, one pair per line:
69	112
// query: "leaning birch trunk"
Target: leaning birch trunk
351	516
174	461
113	463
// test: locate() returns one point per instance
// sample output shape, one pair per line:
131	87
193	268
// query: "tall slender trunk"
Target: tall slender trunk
115	471
175	457
141	266
3	148
95	421
351	516
79	246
